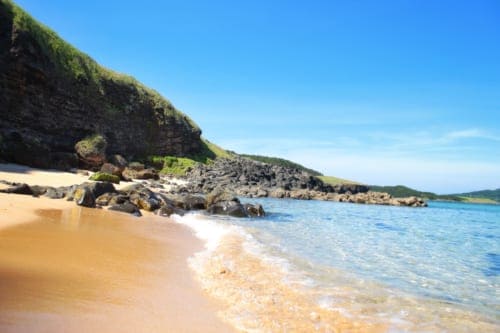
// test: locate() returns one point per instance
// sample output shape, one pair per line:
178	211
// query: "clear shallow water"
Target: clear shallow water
396	264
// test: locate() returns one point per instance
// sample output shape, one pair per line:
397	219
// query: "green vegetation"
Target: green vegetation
76	65
105	177
330	180
479	200
485	195
216	150
281	162
404	191
94	144
180	165
172	165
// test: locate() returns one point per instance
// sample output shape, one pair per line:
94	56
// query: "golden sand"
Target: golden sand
90	270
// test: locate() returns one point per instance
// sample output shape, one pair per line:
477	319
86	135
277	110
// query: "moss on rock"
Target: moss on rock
105	177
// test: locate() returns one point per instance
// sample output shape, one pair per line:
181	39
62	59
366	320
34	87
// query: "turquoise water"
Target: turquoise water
443	260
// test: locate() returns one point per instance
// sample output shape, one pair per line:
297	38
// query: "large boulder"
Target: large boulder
218	195
230	208
92	151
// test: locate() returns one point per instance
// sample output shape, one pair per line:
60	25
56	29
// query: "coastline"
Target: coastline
68	268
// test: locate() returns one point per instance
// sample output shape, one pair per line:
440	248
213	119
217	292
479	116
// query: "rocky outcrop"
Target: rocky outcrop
136	197
238	174
249	178
52	96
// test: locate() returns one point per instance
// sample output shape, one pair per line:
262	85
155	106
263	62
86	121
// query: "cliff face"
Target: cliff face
52	96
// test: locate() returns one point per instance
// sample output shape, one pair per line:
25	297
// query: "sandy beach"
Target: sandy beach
64	268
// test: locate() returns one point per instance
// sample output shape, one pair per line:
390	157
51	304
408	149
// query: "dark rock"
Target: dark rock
126	207
219	195
63	161
112	169
92	151
254	210
118	161
19	189
169	210
194	202
84	197
230	208
38	190
96	188
56	193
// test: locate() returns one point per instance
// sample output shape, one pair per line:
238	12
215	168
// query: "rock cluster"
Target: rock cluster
241	174
248	178
140	196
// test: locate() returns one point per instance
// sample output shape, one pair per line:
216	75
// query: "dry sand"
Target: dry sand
65	268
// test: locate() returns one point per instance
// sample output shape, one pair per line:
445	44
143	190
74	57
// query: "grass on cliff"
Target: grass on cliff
281	162
330	180
179	166
71	62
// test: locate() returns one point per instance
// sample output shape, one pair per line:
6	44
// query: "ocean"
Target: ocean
326	266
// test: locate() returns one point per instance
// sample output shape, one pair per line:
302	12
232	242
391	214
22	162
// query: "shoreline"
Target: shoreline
69	268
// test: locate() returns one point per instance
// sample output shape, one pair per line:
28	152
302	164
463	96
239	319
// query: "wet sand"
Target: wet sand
89	270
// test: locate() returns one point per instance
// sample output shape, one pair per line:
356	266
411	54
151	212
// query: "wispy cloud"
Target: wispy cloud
471	133
443	162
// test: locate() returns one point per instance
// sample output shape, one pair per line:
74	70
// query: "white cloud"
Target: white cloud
441	163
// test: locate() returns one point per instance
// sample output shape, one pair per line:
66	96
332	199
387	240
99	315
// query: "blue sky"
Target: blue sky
382	92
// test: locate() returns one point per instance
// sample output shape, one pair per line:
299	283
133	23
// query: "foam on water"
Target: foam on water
324	266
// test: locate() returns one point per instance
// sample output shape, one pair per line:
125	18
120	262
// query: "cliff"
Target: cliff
52	96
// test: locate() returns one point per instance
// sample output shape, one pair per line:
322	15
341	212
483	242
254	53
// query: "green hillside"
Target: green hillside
404	191
331	180
493	195
281	162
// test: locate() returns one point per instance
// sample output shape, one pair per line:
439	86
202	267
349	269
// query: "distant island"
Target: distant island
484	196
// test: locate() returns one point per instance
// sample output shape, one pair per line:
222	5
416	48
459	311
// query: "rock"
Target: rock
169	210
92	151
38	190
110	199
194	202
230	208
126	207
112	170
56	193
254	210
136	166
118	161
219	195
130	174
105	177
84	197
96	188
19	189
